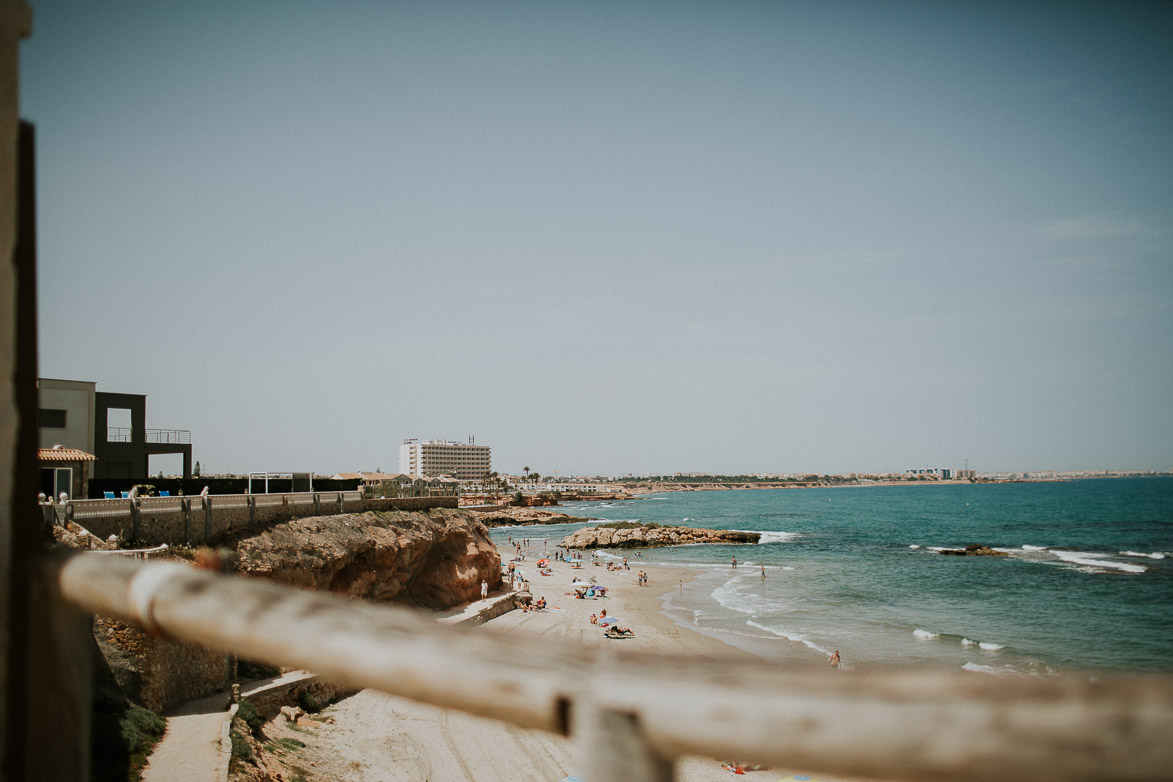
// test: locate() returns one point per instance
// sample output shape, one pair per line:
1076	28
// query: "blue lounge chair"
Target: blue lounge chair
109	495
126	495
164	493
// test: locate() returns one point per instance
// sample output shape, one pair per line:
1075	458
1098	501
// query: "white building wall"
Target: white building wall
463	461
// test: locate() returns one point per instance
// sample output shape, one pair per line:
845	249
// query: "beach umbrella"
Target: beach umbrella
573	778
608	620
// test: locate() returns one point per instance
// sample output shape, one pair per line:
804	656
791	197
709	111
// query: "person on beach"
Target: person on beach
735	563
835	659
763	571
484	589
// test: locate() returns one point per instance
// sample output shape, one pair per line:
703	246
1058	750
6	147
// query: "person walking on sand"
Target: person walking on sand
835	659
484	589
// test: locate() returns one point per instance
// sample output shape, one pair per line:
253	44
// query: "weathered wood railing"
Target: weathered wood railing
634	714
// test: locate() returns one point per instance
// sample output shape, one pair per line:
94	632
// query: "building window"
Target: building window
51	419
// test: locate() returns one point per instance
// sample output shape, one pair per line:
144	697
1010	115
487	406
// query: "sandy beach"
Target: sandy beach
379	737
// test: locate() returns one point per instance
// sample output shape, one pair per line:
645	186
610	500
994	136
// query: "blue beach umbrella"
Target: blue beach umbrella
573	778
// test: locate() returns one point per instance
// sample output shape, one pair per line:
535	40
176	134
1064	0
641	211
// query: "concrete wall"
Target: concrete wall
197	520
76	398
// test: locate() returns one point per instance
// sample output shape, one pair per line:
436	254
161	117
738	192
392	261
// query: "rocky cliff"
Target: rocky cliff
640	536
433	559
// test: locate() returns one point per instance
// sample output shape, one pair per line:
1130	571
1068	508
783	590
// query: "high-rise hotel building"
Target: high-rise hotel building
462	461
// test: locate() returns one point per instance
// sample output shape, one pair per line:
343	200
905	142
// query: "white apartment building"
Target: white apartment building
462	461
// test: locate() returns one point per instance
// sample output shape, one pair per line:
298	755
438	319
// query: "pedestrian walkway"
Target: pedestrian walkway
191	749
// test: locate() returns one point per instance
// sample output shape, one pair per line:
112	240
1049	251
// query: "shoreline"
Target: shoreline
371	735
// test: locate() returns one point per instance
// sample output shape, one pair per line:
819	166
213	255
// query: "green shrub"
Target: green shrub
240	748
140	729
247	712
285	743
308	702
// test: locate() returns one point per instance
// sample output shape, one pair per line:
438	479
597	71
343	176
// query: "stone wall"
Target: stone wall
158	673
186	520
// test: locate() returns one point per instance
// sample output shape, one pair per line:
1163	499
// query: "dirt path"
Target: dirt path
190	749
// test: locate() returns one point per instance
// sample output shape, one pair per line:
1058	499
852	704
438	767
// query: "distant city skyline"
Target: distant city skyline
611	238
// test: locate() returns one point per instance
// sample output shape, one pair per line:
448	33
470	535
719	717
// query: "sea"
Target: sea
1087	583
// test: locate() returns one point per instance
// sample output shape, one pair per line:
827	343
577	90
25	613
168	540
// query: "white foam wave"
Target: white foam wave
736	595
989	670
1093	562
914	546
787	567
925	635
1154	555
789	636
967	642
990	647
1026	547
777	537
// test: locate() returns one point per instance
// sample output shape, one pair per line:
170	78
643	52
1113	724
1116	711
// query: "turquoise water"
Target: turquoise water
1088	583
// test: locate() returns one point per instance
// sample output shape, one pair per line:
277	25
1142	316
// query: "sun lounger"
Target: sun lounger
109	495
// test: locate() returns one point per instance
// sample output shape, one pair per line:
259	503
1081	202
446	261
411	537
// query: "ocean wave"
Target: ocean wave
1154	555
990	670
967	642
990	647
1093	562
789	636
925	635
914	546
774	537
1026	547
736	595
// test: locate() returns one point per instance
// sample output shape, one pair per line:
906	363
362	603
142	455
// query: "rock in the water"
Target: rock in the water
974	550
652	535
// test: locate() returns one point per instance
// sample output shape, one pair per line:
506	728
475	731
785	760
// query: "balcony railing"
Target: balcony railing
124	434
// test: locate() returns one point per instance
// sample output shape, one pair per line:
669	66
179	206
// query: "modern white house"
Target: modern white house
462	461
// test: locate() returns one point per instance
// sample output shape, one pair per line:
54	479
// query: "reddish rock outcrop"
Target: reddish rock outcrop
434	559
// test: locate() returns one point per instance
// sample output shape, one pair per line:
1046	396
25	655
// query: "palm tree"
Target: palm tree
526	471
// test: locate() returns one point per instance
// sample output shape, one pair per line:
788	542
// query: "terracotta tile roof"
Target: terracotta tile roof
64	455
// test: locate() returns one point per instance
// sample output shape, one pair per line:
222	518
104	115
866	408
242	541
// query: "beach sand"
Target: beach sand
380	737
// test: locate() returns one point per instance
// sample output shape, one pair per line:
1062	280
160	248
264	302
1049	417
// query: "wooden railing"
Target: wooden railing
634	714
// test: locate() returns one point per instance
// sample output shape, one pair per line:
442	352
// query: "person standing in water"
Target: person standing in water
735	563
835	659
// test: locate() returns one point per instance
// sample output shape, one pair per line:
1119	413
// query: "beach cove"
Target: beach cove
374	736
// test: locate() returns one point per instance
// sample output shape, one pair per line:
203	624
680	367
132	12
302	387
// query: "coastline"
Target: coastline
375	736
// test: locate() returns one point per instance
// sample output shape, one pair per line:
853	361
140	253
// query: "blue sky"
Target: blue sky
615	237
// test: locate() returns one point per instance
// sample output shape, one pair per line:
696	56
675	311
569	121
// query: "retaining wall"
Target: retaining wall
205	519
